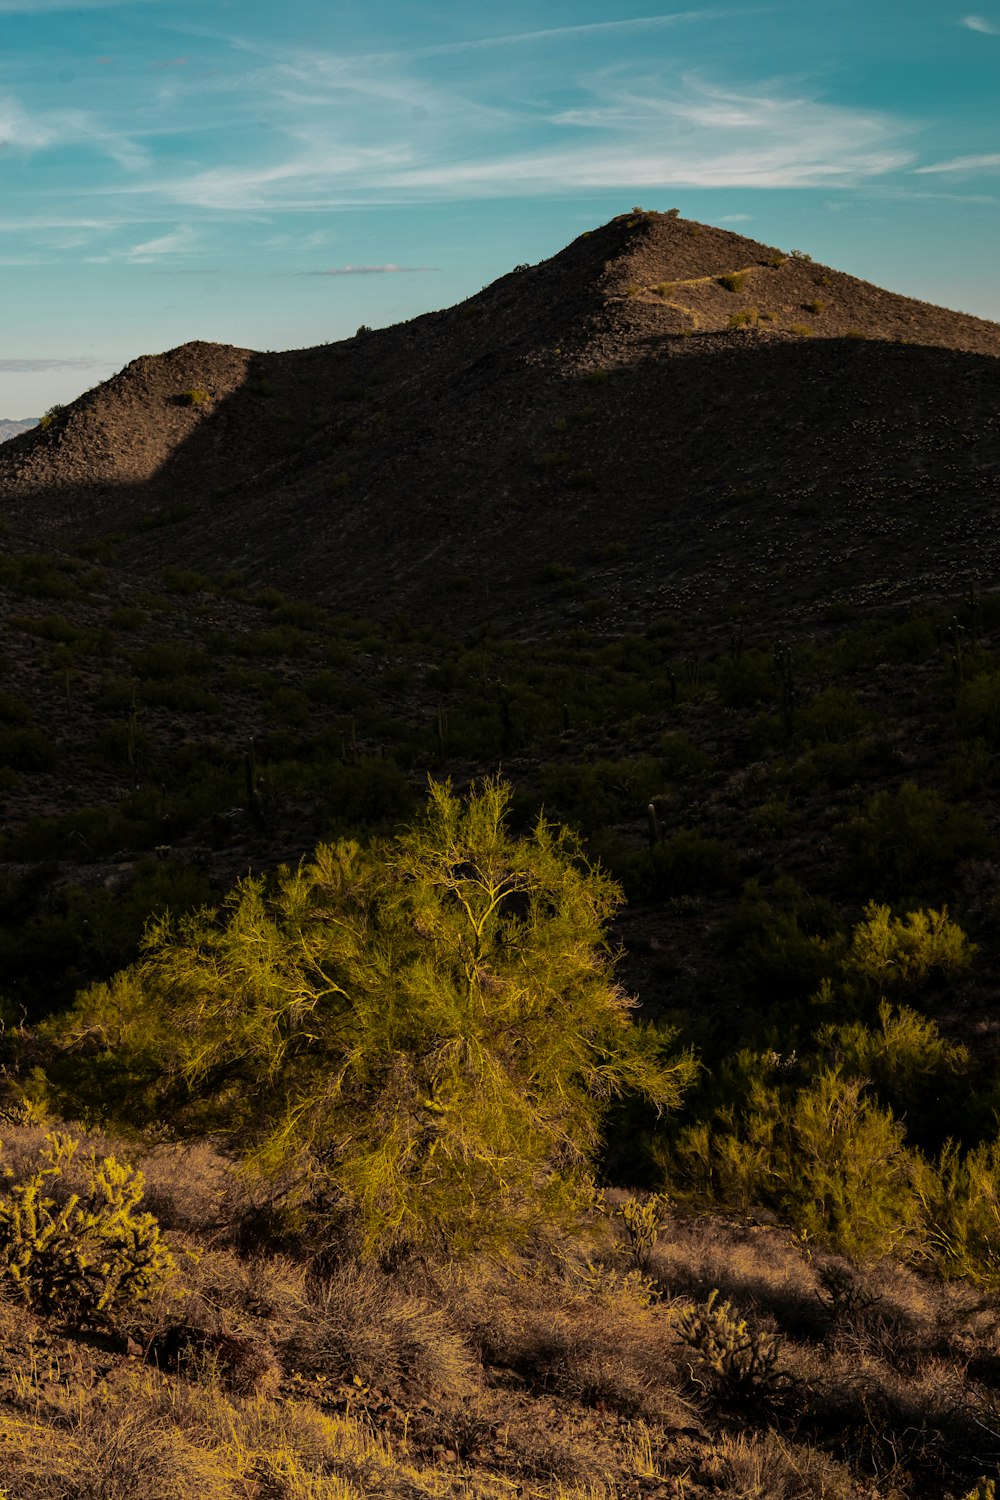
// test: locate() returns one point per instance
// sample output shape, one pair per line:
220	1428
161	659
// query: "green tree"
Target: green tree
426	1032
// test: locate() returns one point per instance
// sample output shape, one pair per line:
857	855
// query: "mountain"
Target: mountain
10	428
673	416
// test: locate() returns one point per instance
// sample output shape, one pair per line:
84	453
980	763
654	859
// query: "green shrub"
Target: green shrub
746	681
12	710
901	840
27	750
960	1201
170	659
687	863
425	1034
833	716
828	1157
905	1058
48	417
89	1256
42	577
977	709
849	1173
775	958
185	581
127	617
194	397
733	281
898	955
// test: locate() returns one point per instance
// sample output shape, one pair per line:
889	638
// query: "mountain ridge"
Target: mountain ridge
722	393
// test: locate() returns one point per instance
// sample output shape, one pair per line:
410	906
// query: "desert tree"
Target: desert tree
425	1033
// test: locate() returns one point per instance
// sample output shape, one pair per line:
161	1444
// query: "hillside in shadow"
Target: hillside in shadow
663	415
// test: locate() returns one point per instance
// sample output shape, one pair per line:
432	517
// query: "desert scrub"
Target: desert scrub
89	1256
733	281
197	396
47	418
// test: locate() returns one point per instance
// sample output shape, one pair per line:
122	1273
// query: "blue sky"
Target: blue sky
273	175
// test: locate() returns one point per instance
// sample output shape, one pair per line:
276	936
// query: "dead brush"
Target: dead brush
756	1267
765	1466
359	1322
842	1294
736	1366
593	1337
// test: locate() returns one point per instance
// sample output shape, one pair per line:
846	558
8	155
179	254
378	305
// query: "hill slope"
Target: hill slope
668	413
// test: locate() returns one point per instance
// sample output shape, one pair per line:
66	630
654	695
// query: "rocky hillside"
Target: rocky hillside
670	415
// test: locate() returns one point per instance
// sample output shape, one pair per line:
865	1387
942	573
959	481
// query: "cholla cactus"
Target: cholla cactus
643	1222
735	1365
89	1255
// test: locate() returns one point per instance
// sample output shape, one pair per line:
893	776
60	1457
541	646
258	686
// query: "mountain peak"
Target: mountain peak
657	410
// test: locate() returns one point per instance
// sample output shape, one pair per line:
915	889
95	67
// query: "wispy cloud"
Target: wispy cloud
177	242
18	128
674	131
52	129
567	33
986	163
735	218
977	23
389	270
36	7
43	366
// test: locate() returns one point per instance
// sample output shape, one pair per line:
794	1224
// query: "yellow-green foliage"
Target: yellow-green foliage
900	1057
847	1169
427	1032
896	954
960	1199
87	1256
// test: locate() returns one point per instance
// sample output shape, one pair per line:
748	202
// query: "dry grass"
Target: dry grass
562	1373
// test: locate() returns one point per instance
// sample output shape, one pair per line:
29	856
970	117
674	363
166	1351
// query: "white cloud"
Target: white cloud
735	218
976	23
367	270
988	162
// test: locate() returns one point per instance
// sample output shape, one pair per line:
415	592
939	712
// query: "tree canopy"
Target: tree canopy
426	1031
